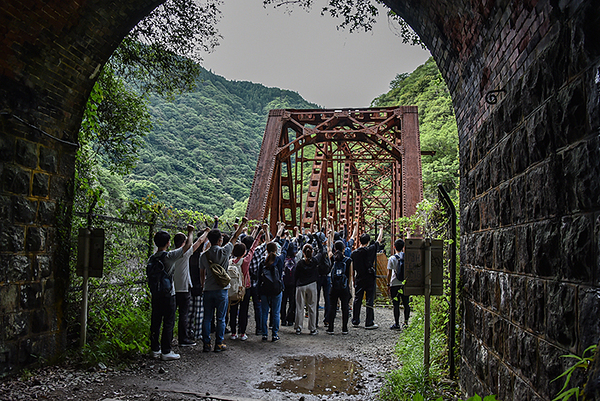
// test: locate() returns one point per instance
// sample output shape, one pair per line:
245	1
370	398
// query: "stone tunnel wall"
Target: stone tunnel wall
530	186
50	54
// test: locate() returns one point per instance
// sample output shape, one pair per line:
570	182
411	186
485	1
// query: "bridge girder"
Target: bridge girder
361	164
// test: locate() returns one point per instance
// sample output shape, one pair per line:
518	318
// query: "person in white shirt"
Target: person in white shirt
183	284
396	285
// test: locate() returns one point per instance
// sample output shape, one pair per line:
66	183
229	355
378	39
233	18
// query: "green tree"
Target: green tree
356	15
426	89
162	52
159	55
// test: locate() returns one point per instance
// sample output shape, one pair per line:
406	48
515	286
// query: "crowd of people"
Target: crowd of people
215	277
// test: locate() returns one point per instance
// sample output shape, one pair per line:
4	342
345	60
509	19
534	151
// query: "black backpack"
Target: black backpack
289	272
400	266
159	281
339	280
323	262
269	282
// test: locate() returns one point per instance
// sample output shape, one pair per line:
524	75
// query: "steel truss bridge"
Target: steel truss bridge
357	164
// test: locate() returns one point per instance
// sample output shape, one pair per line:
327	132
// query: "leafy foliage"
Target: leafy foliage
403	383
161	53
426	89
119	329
150	58
356	15
202	151
581	363
115	121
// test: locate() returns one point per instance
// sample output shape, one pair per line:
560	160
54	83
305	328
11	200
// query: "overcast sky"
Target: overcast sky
304	52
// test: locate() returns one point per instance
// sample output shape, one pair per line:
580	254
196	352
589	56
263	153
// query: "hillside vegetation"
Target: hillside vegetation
426	89
202	151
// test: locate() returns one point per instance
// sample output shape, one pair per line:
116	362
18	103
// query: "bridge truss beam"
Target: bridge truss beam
362	164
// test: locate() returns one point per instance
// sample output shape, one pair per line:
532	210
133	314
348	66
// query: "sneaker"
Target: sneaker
220	347
372	327
171	356
275	338
357	324
155	354
206	347
321	307
325	323
298	331
186	343
234	337
314	332
265	338
395	326
243	337
345	332
330	332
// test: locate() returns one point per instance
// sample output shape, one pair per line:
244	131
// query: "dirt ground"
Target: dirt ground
240	373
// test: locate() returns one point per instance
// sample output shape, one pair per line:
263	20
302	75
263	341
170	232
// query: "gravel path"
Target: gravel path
235	374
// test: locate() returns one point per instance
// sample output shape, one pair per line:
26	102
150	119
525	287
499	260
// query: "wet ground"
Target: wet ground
298	367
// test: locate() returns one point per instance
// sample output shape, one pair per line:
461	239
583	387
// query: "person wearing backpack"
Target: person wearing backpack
213	260
270	285
160	269
396	285
289	285
341	274
237	286
363	260
323	257
250	245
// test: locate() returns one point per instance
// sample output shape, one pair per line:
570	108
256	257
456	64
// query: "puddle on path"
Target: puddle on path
315	375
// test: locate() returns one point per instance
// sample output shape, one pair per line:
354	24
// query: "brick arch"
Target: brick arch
530	193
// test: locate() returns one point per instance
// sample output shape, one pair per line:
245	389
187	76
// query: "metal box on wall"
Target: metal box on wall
96	251
414	267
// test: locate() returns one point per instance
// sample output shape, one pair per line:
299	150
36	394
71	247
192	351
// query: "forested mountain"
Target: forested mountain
202	151
426	89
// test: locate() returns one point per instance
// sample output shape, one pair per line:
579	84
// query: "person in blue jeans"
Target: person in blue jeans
215	297
272	263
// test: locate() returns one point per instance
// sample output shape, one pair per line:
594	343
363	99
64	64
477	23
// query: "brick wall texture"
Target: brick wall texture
530	192
530	187
51	52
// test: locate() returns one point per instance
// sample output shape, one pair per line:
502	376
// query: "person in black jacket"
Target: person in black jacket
363	260
341	275
307	275
271	289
